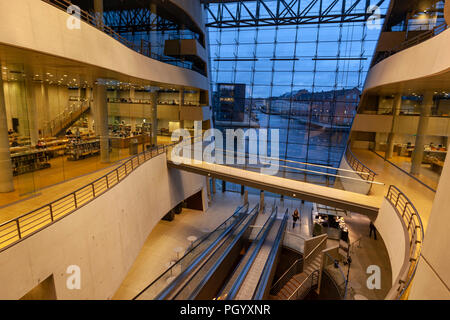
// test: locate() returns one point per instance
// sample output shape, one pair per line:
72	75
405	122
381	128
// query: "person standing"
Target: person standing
295	217
374	230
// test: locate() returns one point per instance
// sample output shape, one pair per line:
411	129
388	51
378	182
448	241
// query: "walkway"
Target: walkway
333	197
420	196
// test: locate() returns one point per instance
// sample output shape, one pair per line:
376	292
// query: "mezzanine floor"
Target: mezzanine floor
420	196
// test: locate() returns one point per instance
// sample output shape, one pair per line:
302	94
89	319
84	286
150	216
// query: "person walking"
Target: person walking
374	230
295	217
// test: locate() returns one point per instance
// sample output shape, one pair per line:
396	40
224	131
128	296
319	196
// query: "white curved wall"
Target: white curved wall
390	227
360	186
103	238
38	26
423	60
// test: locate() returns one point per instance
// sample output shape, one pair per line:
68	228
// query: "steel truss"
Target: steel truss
137	20
260	13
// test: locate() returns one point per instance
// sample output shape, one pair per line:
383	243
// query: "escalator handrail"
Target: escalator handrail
237	212
240	280
163	294
262	283
197	289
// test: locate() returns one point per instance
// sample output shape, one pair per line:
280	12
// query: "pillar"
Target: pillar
90	114
154	34
447	12
425	113
98	8
6	176
154	106
224	186
208	188
181	103
395	113
31	112
261	201
246	197
101	120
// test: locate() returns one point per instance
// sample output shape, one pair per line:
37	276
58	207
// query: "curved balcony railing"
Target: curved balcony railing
413	225
412	42
143	47
364	172
15	230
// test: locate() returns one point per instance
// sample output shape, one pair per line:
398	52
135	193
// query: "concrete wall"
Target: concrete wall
432	280
402	66
38	26
437	126
390	227
103	238
360	186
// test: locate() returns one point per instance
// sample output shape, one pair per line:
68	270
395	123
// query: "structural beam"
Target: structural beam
260	13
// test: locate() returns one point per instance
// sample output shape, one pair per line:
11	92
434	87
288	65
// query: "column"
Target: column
395	113
261	201
425	113
181	103
31	112
90	114
154	106
6	176
153	33
98	8
208	188
101	120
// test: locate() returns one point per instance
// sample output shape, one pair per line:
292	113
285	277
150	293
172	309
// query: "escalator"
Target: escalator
215	265
182	270
252	278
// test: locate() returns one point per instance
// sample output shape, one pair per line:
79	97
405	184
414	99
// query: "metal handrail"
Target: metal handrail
237	214
140	48
343	295
358	166
313	251
413	224
23	226
261	238
284	277
219	261
413	41
314	276
263	280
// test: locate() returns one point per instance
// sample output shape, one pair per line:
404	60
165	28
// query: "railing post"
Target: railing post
117	172
93	190
107	182
51	211
18	229
75	199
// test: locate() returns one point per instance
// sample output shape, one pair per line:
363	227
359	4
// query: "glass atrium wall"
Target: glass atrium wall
304	80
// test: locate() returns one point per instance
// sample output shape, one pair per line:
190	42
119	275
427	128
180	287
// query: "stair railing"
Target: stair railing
312	280
294	269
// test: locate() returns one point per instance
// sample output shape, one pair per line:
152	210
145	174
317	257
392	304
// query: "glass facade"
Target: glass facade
304	80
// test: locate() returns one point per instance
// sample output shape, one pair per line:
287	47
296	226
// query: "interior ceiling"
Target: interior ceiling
439	83
21	64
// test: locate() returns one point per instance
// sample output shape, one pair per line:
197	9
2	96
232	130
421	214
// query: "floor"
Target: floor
160	247
32	190
421	197
427	176
364	252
